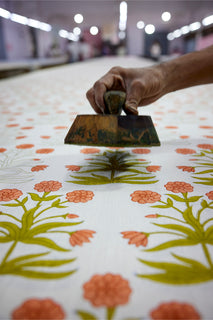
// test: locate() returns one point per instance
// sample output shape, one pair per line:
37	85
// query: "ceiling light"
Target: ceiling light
45	26
34	23
207	21
63	33
77	31
177	33
122	35
170	36
166	16
150	28
194	26
72	37
185	29
4	13
94	30
19	19
140	24
78	18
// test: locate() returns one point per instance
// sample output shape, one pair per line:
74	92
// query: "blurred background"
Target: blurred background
50	32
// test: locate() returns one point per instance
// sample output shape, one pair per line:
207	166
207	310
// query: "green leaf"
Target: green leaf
5	239
170	202
12	228
26	257
204	204
11	204
27	220
179	228
35	196
50	198
46	263
45	242
205	171
176	198
24	200
41	275
85	315
43	228
161	206
173	243
177	274
194	263
194	198
204	181
209	233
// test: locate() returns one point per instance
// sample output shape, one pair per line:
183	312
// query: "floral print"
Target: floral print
179	186
109	290
39	309
135	237
45	150
25	146
205	146
39	168
77	238
174	311
185	151
145	196
141	151
79	196
10	194
73	168
186	168
90	150
210	195
47	186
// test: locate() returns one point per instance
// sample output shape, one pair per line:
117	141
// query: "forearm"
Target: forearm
192	69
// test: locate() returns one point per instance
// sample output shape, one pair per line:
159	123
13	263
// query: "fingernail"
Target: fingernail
133	109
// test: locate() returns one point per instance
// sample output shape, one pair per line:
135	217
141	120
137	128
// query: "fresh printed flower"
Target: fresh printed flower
36	309
39	168
79	196
73	168
145	196
10	194
153	168
109	290
77	238
135	237
185	151
186	168
210	195
205	146
47	186
174	311
179	186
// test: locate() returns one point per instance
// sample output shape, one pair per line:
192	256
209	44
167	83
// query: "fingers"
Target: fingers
133	99
111	81
91	97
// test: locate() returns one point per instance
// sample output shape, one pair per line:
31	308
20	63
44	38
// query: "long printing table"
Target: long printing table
103	233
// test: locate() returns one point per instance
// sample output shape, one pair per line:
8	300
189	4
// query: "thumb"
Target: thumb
133	98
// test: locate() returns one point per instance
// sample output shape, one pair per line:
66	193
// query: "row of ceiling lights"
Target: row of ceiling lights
190	28
150	28
78	18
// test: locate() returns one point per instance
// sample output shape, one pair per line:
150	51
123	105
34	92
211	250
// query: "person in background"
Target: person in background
146	85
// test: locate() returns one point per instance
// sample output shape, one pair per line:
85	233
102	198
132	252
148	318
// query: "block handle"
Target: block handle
114	101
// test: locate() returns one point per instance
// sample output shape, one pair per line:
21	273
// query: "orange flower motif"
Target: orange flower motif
26	128
25	146
210	195
184	137
90	150
171	127
10	194
47	186
174	310
36	309
135	237
45	150
185	151
208	137
21	137
141	151
206	127
39	168
12	125
60	127
205	146
2	150
45	137
77	238
79	196
72	216
145	196
73	168
153	168
186	168
155	215
179	186
109	290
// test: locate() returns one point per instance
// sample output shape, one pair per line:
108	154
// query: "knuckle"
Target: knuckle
138	85
116	70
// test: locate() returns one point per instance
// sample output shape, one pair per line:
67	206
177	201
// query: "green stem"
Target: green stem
207	221
9	252
58	216
172	206
164	232
11	216
38	214
206	252
199	213
164	216
185	198
110	313
22	205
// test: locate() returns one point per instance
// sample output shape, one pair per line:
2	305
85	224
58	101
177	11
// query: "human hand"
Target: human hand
142	86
